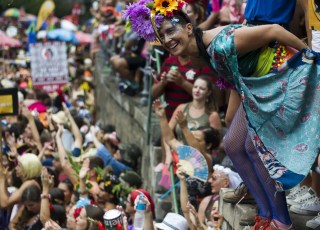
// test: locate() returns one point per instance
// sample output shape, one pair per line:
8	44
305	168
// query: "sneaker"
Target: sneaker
314	223
273	226
261	223
298	192
239	195
311	207
310	195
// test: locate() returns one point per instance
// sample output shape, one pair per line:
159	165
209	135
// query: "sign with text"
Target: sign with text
49	66
9	102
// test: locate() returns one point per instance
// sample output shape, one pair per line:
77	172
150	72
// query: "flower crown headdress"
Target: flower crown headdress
146	16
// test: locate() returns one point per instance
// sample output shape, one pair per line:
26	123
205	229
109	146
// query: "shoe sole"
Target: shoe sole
303	212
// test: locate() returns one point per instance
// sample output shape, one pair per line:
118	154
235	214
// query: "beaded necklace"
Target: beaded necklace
279	58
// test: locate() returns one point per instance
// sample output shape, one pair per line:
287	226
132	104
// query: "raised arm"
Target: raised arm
74	128
34	130
184	195
63	157
167	133
247	39
83	178
46	181
191	140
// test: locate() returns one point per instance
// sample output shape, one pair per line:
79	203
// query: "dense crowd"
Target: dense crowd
63	169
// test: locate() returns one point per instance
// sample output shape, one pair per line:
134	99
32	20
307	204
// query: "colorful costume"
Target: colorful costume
282	108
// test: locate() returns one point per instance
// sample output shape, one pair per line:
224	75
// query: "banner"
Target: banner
9	102
45	10
314	14
49	65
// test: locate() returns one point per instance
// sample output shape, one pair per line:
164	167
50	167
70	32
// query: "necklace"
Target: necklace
33	222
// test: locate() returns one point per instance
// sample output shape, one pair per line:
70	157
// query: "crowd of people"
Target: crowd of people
234	84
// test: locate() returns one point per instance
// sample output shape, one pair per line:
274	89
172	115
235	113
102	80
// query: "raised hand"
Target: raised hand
181	119
144	200
51	225
46	178
93	131
84	169
158	108
124	217
194	216
163	78
181	172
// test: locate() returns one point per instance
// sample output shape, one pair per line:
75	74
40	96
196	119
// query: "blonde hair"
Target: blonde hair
30	166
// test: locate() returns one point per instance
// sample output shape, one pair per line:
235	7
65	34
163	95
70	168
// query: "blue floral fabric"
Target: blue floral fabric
283	108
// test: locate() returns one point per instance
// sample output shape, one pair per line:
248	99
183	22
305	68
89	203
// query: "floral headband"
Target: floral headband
146	16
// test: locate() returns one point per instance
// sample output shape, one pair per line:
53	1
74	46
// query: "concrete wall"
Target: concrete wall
129	118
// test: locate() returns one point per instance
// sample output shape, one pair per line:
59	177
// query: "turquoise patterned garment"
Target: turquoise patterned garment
283	108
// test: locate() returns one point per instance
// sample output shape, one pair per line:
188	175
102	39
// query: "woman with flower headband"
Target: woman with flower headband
277	124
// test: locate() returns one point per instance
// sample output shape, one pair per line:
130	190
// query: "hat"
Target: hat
173	221
60	118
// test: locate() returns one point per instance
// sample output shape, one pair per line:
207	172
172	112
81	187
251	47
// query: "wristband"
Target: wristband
45	196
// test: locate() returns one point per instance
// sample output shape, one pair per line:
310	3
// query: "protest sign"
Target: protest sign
49	66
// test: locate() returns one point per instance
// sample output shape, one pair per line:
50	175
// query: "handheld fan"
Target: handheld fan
193	162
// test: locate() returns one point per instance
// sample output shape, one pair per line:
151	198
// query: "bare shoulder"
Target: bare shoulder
205	201
209	35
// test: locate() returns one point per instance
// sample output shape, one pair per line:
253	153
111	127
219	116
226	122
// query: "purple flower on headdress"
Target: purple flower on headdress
139	16
144	2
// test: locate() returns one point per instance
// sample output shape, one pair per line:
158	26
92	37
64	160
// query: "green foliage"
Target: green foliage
75	166
150	5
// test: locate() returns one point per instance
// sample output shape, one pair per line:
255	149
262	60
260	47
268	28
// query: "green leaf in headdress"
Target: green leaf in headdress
150	5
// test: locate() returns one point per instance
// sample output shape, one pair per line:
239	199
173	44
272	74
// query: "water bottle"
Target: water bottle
139	216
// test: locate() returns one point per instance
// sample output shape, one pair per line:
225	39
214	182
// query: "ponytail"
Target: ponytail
198	33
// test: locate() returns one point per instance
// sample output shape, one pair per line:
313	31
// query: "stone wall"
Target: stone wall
129	118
